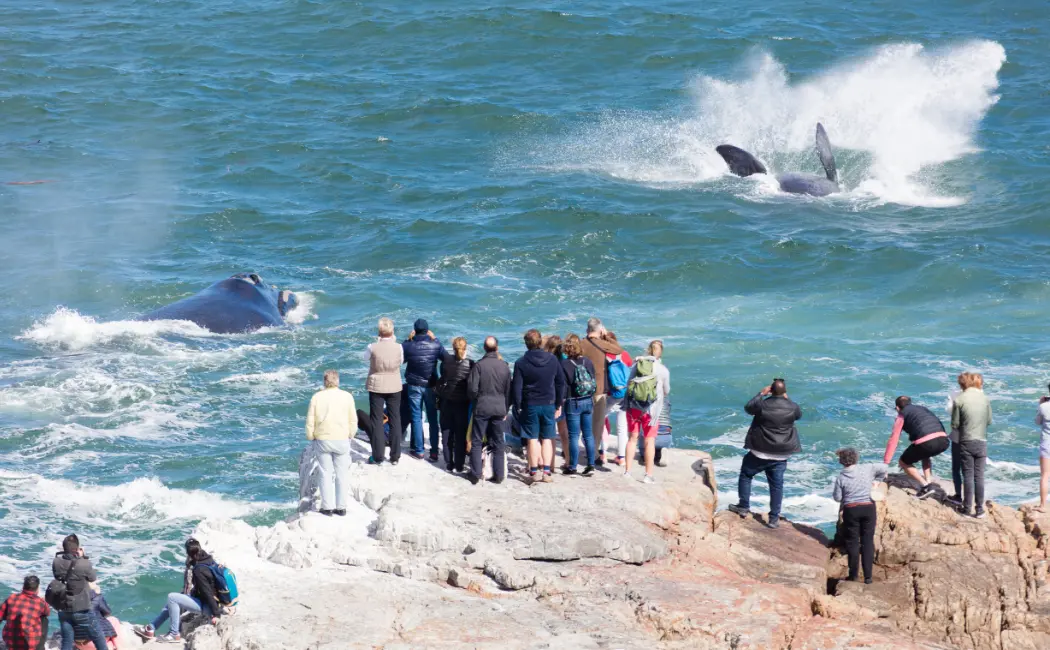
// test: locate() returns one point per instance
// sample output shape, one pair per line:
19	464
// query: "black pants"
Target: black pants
378	436
454	421
973	454
493	429
859	522
957	473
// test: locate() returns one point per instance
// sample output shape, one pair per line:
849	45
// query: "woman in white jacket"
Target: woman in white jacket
645	419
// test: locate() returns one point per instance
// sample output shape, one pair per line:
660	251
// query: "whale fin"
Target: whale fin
740	162
827	158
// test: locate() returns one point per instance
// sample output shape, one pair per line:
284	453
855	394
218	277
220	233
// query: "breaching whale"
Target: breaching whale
742	163
240	303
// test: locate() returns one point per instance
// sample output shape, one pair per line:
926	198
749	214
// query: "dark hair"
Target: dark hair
553	344
533	339
903	401
495	344
778	387
70	544
193	549
848	456
31	583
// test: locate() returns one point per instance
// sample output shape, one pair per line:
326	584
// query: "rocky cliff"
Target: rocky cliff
424	559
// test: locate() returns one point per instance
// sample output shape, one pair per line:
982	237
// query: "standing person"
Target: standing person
385	357
953	436
928	439
649	388
554	345
1042	420
609	359
489	387
198	595
853	490
581	384
771	441
972	415
422	351
538	390
24	616
72	567
455	404
331	421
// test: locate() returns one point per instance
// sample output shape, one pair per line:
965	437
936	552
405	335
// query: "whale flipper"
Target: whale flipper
827	158
740	162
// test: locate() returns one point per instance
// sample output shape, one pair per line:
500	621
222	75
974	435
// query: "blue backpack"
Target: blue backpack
225	584
617	374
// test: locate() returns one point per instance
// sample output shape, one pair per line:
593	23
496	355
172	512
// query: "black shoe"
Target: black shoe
954	500
980	514
474	480
867	581
417	455
774	523
434	458
340	512
600	461
326	513
395	462
851	578
925	492
588	471
495	481
448	468
569	471
739	510
373	461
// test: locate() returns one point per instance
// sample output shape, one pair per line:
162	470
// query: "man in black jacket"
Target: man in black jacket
422	353
73	567
771	440
539	391
489	387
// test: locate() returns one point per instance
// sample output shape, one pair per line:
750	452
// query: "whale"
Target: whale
744	164
240	303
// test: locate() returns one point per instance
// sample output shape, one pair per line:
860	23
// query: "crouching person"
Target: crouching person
853	490
200	595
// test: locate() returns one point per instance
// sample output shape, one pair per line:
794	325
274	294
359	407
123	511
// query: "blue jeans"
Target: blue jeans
578	412
538	422
177	603
774	470
84	622
420	397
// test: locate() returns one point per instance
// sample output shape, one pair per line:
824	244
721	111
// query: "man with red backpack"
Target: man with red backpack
612	370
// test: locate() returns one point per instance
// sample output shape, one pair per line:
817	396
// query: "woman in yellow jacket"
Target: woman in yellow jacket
331	422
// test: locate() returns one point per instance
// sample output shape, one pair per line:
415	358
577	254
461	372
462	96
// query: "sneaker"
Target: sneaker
954	500
739	510
340	512
648	480
434	458
449	469
474	480
418	455
170	637
373	461
326	513
980	514
532	478
600	461
867	581
547	478
661	463
393	462
495	481
774	523
619	461
925	492
589	470
144	631
626	474
569	471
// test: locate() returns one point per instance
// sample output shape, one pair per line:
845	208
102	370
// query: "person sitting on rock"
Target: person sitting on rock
108	624
199	594
771	441
331	421
853	490
928	439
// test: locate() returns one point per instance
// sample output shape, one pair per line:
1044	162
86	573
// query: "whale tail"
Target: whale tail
740	162
827	158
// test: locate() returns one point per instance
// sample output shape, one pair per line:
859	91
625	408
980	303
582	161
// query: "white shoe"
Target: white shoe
648	480
626	474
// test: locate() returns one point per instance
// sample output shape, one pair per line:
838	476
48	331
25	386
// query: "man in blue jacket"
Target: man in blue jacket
422	352
539	391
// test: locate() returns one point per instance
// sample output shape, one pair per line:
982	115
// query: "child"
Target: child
853	490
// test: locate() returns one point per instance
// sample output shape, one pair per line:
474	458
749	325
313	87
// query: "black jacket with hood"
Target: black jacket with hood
773	428
452	382
204	586
489	387
539	380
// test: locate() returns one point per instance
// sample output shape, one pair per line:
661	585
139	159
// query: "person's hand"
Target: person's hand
767	390
557	413
431	335
214	620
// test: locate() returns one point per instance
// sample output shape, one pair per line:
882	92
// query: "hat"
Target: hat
421	326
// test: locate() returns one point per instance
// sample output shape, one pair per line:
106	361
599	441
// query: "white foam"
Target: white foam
304	311
67	329
890	116
280	376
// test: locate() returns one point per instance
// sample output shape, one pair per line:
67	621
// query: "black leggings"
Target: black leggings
859	522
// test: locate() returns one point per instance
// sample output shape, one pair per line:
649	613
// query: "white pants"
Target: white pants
614	410
334	457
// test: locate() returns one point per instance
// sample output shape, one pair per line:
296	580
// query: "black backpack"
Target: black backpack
57	594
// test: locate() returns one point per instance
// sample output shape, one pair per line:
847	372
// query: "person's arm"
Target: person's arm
559	386
205	582
3	610
880	471
798	412
507	396
891	445
103	607
836	491
473	383
367	354
1039	416
353	417
754	407
517	389
956	415
667	382
311	418
989	411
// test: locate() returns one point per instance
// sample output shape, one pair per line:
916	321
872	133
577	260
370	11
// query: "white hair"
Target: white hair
594	326
386	327
331	379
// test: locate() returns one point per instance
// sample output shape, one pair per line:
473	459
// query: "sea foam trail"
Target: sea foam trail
67	329
890	115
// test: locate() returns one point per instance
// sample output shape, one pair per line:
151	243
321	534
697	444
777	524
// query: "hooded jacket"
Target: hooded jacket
538	380
421	354
599	351
454	375
78	595
773	428
204	587
489	386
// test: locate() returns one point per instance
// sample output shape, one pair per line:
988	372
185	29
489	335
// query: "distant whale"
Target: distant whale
241	303
742	163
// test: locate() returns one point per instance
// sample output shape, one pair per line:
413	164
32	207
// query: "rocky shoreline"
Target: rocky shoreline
424	559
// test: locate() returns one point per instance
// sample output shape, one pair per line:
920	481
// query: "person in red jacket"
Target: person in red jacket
25	617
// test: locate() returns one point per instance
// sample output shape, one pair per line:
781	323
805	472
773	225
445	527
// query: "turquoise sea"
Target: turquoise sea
491	167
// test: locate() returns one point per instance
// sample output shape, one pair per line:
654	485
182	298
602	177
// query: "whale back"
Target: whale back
740	162
229	306
810	184
827	157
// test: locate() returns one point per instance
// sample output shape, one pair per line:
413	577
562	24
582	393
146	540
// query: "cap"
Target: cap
421	326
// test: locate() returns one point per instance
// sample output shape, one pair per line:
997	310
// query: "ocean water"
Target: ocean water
492	168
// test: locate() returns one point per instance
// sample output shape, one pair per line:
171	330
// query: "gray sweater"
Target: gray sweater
853	485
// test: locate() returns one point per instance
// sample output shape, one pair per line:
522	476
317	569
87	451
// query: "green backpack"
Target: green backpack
641	391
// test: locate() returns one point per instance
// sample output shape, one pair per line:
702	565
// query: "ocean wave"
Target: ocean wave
67	329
